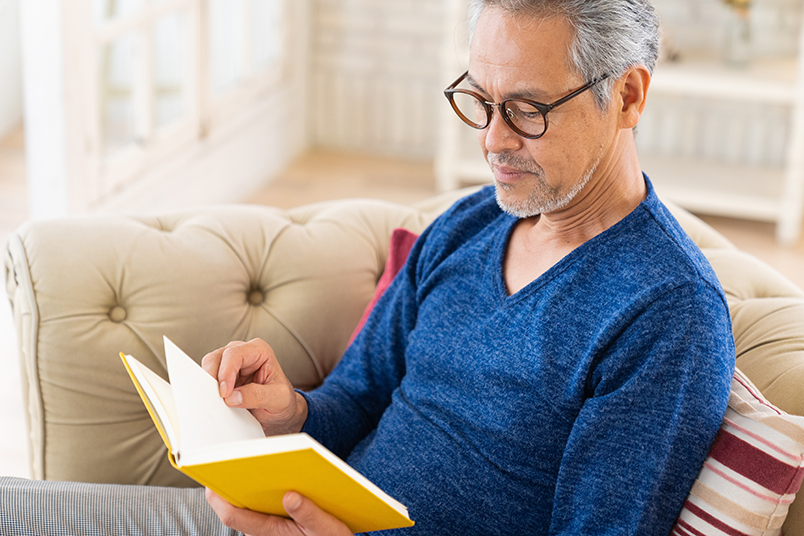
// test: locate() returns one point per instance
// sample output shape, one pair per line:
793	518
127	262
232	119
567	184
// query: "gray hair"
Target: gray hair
611	36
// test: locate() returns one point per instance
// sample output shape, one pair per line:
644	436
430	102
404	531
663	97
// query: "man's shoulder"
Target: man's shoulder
481	203
465	219
676	244
654	244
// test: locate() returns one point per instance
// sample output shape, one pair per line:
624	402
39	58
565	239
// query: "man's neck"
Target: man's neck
538	243
615	190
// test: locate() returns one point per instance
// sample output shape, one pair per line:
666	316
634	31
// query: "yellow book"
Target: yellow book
225	450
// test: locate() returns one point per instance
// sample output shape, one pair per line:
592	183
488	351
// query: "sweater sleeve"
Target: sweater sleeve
656	401
354	396
350	403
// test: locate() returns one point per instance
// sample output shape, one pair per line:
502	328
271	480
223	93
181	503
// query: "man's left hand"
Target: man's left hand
307	518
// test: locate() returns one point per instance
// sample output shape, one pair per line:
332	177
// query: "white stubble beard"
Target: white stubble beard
542	199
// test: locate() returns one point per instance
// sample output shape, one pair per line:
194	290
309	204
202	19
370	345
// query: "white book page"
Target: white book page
248	449
204	418
160	396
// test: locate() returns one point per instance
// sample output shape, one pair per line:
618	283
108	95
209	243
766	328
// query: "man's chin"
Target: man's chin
513	205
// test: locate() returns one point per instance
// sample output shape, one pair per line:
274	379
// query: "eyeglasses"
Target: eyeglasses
525	117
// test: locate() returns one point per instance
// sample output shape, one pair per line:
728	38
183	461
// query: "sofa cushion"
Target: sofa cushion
752	473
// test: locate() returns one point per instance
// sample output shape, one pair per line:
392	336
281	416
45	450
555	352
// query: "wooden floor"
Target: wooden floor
316	176
321	175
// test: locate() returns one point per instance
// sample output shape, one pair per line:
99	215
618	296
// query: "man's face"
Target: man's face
528	57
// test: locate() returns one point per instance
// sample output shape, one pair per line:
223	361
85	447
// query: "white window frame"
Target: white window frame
69	172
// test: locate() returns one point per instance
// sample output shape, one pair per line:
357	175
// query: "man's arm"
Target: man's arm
360	388
656	402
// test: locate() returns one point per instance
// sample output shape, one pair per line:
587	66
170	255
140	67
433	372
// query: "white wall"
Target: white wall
376	75
10	73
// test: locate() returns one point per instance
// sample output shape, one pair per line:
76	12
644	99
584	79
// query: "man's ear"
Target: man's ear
633	92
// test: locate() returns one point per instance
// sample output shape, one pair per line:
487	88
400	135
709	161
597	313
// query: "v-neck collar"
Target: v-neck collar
504	238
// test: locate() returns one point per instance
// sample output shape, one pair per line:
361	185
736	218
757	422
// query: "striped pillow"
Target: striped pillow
752	473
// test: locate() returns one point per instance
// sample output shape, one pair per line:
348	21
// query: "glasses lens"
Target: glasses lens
525	117
471	110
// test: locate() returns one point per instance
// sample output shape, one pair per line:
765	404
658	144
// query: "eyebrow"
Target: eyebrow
534	95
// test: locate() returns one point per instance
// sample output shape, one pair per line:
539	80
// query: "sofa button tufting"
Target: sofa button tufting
117	314
256	297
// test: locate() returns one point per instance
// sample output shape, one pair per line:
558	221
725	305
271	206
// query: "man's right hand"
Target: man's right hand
306	518
249	376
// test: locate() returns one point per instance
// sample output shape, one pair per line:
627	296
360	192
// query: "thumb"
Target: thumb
249	396
310	519
273	397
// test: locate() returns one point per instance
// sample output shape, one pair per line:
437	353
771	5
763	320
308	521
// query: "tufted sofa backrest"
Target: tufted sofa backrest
85	289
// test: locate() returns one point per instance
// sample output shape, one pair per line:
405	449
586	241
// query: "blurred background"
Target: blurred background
153	105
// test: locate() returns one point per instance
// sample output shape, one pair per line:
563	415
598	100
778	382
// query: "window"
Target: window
164	73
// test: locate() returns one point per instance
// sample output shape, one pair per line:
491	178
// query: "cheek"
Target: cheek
561	158
547	151
481	140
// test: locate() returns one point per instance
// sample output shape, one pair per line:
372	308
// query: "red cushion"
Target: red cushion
401	242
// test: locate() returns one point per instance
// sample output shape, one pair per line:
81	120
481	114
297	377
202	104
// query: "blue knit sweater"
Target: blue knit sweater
584	404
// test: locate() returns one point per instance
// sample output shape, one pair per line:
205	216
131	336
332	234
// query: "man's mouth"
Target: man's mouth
509	170
507	174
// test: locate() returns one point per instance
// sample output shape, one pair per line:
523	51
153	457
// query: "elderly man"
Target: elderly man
556	355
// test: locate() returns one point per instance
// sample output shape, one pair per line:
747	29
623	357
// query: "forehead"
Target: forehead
520	51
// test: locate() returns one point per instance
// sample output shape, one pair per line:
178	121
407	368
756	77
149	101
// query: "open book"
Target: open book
225	450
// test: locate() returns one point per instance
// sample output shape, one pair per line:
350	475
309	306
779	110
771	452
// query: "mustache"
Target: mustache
516	162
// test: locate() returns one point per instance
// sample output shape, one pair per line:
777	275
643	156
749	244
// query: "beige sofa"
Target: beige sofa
84	289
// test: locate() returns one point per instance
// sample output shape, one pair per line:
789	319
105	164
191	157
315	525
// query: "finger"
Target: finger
234	360
312	520
247	521
273	398
241	359
211	362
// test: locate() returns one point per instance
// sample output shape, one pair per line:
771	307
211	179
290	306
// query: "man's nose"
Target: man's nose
498	136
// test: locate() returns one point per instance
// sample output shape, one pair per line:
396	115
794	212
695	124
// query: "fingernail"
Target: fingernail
292	501
235	399
223	388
